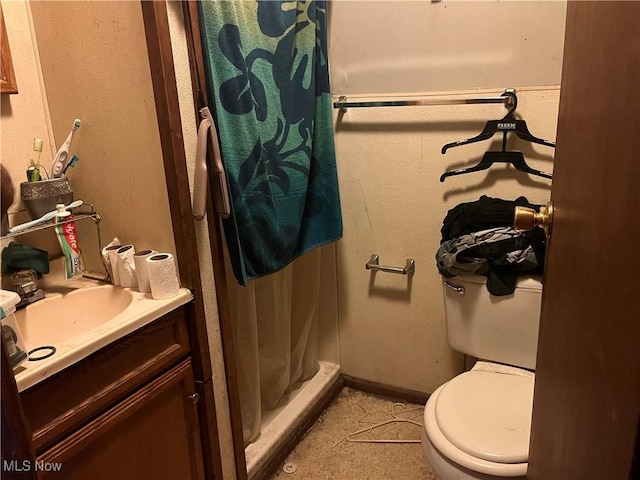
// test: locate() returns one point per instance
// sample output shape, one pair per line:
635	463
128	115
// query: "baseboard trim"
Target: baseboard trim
396	393
292	440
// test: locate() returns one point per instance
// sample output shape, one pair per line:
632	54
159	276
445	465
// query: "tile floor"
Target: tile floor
326	452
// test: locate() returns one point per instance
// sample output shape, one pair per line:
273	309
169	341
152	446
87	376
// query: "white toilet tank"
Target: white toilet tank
503	329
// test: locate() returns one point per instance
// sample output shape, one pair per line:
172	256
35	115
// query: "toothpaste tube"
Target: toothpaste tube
68	240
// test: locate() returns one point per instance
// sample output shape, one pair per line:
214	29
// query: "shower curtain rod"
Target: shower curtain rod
343	104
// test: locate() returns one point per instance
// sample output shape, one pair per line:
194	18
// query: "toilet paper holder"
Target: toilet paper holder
374	264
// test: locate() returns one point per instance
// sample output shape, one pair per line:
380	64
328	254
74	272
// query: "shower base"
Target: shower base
279	424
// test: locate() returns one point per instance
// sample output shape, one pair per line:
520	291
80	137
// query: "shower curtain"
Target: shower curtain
275	323
268	73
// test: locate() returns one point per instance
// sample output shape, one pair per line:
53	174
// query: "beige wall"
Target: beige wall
24	116
424	46
389	165
95	67
392	329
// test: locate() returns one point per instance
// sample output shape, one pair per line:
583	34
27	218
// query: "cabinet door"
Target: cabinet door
153	434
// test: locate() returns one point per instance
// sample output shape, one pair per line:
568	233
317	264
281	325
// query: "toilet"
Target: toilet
477	425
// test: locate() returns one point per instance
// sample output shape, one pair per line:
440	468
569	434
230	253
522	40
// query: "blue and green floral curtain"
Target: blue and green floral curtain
268	73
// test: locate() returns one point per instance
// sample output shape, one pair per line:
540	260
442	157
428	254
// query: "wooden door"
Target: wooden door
587	392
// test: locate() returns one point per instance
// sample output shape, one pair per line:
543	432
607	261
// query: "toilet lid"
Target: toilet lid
487	415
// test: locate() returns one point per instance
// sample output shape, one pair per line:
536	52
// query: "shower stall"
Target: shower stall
279	333
287	352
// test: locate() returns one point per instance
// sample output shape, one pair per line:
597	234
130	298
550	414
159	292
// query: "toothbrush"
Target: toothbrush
71	163
37	147
44	218
63	153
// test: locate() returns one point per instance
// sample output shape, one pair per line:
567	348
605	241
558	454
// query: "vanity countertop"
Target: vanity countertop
81	318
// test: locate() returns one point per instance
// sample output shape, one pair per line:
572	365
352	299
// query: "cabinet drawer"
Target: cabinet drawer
63	402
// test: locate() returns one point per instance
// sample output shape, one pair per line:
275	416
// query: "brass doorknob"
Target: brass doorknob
527	218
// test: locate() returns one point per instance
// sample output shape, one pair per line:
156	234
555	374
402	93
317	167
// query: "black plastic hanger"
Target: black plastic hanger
507	124
503	156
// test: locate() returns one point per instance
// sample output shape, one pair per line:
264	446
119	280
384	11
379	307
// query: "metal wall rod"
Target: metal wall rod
343	103
374	264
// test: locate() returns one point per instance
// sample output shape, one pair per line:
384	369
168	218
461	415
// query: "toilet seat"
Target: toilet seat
490	433
496	424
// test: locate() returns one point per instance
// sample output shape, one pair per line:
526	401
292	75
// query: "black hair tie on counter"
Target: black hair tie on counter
51	350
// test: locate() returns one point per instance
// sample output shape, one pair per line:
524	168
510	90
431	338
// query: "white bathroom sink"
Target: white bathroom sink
81	318
59	318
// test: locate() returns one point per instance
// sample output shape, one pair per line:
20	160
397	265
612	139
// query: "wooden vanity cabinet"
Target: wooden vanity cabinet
128	411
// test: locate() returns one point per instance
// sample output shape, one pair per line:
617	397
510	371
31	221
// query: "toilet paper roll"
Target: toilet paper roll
126	267
113	244
163	276
111	252
142	269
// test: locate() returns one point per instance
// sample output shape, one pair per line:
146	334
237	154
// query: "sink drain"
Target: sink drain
48	351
